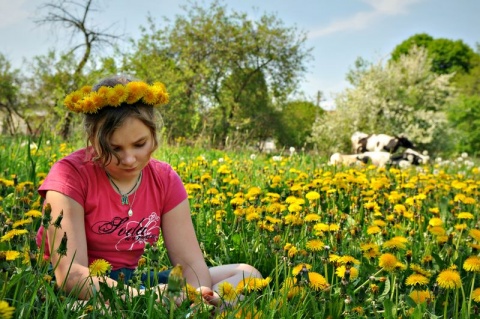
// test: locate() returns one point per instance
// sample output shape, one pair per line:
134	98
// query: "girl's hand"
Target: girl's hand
209	296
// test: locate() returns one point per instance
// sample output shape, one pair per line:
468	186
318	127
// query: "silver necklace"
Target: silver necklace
124	197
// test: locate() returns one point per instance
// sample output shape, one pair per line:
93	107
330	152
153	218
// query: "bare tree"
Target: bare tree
74	15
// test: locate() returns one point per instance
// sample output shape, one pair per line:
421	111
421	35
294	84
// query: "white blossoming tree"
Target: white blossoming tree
398	97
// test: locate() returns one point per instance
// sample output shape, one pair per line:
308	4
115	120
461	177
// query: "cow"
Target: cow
377	158
411	156
356	137
347	159
382	142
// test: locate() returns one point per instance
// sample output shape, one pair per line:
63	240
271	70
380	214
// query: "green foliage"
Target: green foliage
296	121
243	211
211	58
447	56
464	116
401	97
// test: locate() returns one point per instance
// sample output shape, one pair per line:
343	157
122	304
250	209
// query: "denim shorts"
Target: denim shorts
146	279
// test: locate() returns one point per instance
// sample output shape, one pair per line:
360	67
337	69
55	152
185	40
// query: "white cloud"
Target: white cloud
361	20
12	12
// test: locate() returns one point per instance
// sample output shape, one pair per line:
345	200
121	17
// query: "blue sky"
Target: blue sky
338	31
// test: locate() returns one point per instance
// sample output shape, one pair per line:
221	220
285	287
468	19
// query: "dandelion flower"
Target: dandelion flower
449	279
421	296
437	231
348	260
396	243
296	270
472	263
388	262
99	267
465	215
435	221
340	272
33	213
317	281
312	195
227	291
476	295
373	230
22	222
416	279
475	234
6	311
250	284
315	245
12	233
11	254
312	218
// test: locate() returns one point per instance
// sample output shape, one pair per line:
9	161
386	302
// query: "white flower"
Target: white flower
221	160
464	155
276	158
253	156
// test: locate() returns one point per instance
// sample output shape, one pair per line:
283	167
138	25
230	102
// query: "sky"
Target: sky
338	32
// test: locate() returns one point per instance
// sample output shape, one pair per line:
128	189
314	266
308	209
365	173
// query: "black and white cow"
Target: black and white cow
382	142
410	156
347	159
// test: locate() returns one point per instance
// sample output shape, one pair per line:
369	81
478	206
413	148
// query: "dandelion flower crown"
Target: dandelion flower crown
87	101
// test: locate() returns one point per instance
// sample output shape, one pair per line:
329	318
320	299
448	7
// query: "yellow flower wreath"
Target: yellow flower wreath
87	101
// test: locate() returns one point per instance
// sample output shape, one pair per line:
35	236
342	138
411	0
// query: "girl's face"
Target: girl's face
133	142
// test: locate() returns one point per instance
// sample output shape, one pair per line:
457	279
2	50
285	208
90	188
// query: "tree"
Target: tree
296	121
11	110
447	56
400	97
201	50
75	16
464	117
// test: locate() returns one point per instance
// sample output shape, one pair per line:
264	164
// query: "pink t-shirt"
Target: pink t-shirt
111	234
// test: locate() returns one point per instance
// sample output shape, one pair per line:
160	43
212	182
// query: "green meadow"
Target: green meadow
331	242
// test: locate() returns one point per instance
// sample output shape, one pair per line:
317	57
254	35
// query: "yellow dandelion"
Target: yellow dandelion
421	296
333	258
449	279
296	270
388	262
6	311
12	254
250	284
437	231
348	260
396	243
12	233
416	280
312	195
465	215
342	270
22	222
379	223
135	90
476	295
88	105
312	218
435	221
472	263
99	267
317	281
373	230
227	292
33	213
315	245
475	234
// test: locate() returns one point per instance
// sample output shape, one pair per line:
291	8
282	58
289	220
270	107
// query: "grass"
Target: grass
333	242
